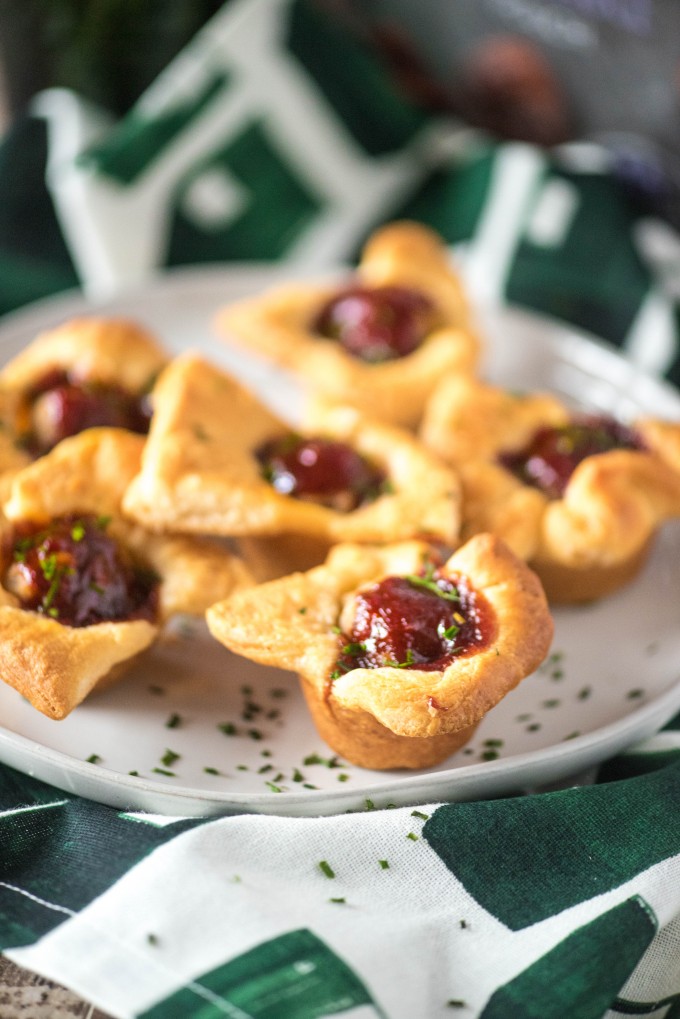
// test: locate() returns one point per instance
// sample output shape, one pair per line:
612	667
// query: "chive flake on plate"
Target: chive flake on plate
325	868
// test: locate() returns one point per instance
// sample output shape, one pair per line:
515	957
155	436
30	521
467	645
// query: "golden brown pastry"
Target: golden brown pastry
90	371
380	340
217	461
84	590
579	496
382	694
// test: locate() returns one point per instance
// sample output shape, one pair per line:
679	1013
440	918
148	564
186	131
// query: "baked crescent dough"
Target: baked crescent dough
278	324
95	347
53	665
200	474
88	351
593	539
391	717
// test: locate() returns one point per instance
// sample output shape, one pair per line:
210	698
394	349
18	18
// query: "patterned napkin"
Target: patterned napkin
258	142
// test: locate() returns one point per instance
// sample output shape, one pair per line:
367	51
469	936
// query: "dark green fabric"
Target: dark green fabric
541	854
579	977
596	279
361	92
295	976
67	853
278	207
34	259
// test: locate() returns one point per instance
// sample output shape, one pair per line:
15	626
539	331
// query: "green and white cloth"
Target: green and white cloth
275	136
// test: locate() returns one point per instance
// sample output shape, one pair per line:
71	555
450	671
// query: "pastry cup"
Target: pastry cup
278	325
594	539
200	474
391	717
90	349
56	666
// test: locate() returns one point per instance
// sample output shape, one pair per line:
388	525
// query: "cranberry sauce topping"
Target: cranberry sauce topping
376	324
74	572
554	453
60	406
420	622
320	470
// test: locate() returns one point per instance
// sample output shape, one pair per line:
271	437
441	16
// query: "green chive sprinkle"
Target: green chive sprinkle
326	868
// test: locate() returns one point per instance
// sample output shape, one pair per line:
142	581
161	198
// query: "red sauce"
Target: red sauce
76	573
553	454
376	324
60	406
320	470
420	622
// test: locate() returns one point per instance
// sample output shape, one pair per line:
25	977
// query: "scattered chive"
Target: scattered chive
228	728
339	899
412	836
211	771
173	721
325	868
384	865
419	813
164	771
93	759
169	757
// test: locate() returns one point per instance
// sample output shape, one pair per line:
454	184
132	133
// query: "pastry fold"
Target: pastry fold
391	716
279	325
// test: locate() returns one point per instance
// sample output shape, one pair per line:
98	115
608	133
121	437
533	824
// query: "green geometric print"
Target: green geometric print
582	841
140	141
586	280
581	976
379	118
295	976
277	208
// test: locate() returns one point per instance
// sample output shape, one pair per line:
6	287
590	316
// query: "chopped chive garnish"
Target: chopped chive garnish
173	721
164	771
325	868
93	759
169	757
419	813
412	836
384	865
339	898
429	584
274	787
228	728
211	771
152	939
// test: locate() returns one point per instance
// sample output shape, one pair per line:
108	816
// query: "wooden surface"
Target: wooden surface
23	995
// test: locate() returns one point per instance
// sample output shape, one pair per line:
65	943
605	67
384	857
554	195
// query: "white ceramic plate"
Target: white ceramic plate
195	730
